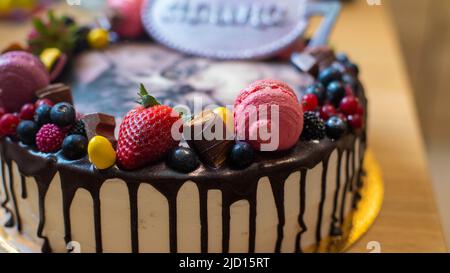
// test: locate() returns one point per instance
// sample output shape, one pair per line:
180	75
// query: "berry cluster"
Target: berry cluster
330	104
45	125
63	33
139	146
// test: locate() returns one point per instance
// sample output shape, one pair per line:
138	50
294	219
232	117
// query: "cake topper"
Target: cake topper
231	29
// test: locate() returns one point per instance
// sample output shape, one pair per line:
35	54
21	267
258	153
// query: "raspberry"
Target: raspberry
314	128
49	138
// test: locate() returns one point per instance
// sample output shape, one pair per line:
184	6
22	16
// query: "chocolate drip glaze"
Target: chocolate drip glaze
252	226
173	224
235	185
323	192
203	218
23	185
10	222
346	187
277	182
352	184
68	194
13	196
43	185
225	225
301	220
97	219
133	193
335	229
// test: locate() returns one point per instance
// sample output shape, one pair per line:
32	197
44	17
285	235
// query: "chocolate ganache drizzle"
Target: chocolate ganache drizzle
235	185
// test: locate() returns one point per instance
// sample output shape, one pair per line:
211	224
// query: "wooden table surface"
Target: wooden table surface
408	221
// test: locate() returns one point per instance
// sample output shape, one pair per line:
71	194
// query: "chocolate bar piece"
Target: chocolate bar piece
57	92
323	54
208	136
99	124
306	63
313	60
13	47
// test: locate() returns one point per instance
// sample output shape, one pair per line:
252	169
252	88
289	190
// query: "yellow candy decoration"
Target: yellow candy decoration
101	153
98	38
227	116
49	57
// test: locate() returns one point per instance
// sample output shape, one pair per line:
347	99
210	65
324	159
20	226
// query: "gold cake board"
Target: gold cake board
355	225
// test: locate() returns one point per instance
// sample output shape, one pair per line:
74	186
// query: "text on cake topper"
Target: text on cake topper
256	14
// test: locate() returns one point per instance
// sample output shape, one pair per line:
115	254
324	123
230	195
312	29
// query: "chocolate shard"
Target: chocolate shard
99	124
312	60
57	92
324	56
305	62
208	135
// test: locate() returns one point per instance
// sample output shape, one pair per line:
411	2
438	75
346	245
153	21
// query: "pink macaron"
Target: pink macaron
268	116
21	75
128	22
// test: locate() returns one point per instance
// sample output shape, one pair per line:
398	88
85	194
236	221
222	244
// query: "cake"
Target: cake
188	195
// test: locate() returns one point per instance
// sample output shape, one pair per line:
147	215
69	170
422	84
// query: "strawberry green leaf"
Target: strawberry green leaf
145	99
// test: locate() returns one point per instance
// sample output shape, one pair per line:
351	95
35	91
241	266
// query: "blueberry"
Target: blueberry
27	131
241	155
63	114
335	127
352	68
74	147
68	21
335	93
318	90
42	115
329	75
183	160
350	80
342	58
81	43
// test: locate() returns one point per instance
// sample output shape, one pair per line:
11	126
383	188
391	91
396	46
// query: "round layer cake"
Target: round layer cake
285	201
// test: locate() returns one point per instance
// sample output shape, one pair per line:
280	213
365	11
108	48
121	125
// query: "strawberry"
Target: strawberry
145	135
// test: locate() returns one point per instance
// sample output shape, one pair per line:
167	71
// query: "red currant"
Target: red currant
349	91
8	124
2	111
310	102
27	111
327	111
355	121
44	101
349	105
341	116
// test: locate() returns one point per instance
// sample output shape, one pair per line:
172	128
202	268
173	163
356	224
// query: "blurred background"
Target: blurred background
422	29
